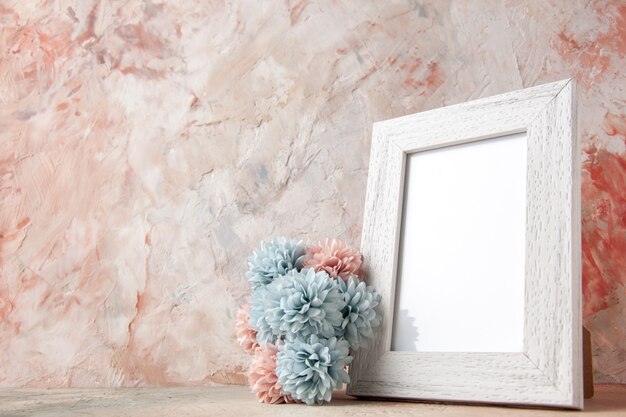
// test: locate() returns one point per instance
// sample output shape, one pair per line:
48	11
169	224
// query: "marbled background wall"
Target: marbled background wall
147	146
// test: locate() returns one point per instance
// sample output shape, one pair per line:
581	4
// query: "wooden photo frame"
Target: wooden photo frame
543	366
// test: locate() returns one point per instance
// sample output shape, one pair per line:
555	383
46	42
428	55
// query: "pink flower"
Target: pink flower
262	377
246	336
337	258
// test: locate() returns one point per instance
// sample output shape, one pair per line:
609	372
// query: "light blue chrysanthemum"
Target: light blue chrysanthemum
359	314
304	303
256	317
309	369
273	259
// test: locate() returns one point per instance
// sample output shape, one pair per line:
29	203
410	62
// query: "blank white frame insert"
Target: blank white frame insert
473	192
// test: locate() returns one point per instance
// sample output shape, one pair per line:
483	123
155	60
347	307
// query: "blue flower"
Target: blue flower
359	314
304	303
309	369
273	259
256	317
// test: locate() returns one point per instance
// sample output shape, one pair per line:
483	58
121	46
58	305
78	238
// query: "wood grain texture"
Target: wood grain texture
549	370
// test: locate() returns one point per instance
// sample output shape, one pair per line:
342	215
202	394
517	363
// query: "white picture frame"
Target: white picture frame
547	370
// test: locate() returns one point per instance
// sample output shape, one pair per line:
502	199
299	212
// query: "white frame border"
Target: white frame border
549	370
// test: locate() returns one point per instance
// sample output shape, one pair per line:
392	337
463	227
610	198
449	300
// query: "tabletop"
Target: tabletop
217	401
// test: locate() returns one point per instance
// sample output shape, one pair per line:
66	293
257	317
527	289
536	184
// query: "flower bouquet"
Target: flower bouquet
308	309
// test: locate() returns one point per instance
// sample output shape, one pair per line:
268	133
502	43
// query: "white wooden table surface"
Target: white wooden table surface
610	400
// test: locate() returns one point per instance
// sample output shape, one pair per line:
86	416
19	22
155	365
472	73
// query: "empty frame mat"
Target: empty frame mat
460	279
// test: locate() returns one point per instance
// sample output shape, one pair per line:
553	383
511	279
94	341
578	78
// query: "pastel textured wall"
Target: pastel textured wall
146	147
